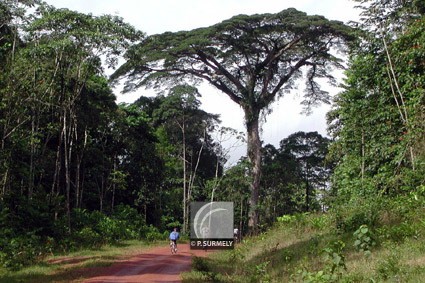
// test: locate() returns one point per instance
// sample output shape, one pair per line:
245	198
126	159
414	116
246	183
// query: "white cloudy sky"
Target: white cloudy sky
157	16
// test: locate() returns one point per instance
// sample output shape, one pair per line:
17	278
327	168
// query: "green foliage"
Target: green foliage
389	268
286	219
298	252
252	59
364	240
293	175
24	234
320	222
89	230
397	233
316	277
377	120
334	265
349	217
19	251
87	238
151	233
92	229
200	264
335	257
260	274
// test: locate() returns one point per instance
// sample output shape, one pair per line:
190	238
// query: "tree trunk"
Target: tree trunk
254	155
184	179
67	161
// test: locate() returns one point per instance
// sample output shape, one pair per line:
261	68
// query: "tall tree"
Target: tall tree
253	59
282	184
188	129
140	162
309	150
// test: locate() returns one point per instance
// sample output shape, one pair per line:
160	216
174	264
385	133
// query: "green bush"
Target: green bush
364	239
397	233
319	222
88	238
348	218
20	251
131	219
112	230
286	219
22	241
200	264
152	234
389	267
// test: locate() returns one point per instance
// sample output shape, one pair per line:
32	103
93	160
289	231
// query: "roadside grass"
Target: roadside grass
69	267
308	248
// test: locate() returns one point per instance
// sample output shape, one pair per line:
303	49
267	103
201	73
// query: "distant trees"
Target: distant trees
295	179
185	142
296	175
309	151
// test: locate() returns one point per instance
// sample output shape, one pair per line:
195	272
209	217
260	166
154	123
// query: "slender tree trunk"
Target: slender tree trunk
396	90
193	174
114	184
101	189
55	185
254	155
78	184
67	161
184	179
241	220
32	153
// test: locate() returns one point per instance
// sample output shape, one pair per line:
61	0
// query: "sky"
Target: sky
158	16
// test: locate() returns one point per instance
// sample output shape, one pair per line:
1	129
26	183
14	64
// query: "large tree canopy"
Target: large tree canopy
253	59
250	58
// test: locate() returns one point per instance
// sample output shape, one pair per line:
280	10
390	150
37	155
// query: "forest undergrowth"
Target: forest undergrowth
380	240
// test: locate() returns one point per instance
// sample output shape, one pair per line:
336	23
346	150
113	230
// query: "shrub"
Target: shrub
350	217
152	234
20	251
132	220
112	230
397	233
389	267
88	238
261	274
319	222
334	257
286	219
200	264
364	239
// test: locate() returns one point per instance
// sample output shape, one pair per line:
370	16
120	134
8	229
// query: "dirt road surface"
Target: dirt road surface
154	265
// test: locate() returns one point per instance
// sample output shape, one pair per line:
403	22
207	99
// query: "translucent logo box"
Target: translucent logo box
211	225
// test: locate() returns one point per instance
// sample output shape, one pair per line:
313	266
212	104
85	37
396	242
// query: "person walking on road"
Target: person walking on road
174	236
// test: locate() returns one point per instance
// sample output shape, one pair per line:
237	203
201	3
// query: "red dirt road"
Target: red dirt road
154	265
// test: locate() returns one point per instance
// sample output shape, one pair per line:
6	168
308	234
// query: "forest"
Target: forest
79	170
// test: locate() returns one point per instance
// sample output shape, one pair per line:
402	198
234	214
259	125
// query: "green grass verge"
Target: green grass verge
308	248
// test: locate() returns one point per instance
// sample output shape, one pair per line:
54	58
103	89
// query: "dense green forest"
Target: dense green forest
79	170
